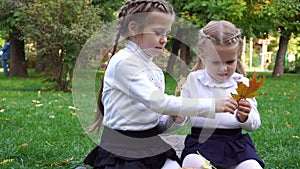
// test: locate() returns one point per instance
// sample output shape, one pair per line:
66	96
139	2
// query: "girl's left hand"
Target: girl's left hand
243	110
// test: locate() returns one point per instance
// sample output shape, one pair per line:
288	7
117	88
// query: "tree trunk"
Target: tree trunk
178	45
17	53
174	52
40	65
40	61
280	59
184	53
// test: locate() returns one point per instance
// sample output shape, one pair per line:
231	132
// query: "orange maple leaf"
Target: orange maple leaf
244	91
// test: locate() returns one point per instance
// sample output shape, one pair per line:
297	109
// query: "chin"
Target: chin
222	79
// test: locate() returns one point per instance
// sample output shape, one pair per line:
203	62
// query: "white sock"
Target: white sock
170	164
193	161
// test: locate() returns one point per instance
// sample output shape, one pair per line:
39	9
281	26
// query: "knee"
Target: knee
249	164
193	161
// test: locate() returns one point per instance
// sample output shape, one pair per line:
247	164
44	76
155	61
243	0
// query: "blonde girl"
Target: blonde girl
220	140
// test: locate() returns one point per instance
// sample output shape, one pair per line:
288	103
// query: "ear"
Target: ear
133	28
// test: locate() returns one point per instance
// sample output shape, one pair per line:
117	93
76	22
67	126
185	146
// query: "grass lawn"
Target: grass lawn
41	129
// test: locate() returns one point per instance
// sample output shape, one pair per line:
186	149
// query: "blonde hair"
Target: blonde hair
220	34
126	15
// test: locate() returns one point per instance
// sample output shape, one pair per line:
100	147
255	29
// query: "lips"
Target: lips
222	75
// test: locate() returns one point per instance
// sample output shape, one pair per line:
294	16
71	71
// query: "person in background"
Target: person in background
220	140
5	56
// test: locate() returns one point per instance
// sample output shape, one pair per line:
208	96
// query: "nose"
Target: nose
163	39
224	67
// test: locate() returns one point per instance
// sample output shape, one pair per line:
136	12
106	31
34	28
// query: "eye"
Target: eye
158	33
230	62
161	32
215	63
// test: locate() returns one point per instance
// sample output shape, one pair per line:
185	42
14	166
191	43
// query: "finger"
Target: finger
242	114
229	108
244	109
244	103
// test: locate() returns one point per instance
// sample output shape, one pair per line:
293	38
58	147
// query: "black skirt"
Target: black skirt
130	150
224	148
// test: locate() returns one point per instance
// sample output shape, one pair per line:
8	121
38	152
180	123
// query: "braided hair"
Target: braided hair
220	33
126	15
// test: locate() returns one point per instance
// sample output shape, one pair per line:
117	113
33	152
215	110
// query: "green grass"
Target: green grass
39	135
48	133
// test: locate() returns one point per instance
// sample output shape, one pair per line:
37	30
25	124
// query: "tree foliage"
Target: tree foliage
59	28
257	18
283	17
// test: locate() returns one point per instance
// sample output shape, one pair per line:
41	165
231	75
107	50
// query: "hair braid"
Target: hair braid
125	15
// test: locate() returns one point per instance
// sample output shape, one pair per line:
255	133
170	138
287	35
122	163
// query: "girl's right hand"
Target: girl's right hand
225	105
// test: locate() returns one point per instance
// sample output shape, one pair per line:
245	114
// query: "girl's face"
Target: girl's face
155	33
221	65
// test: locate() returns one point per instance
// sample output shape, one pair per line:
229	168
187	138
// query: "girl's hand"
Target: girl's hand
178	119
226	104
244	108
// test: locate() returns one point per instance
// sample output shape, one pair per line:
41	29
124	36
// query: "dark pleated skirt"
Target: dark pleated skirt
130	150
224	148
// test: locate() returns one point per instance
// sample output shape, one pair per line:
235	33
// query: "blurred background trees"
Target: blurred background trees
48	35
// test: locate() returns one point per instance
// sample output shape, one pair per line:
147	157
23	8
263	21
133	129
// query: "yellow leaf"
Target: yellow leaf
6	161
288	125
24	145
72	107
244	91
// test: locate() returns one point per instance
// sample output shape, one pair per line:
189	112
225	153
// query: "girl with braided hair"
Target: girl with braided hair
132	105
220	140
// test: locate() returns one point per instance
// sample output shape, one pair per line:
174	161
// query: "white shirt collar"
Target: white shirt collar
133	47
208	81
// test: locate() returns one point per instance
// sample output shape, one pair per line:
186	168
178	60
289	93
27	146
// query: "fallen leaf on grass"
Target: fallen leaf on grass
72	107
288	125
60	163
38	105
36	101
243	91
5	119
6	161
24	145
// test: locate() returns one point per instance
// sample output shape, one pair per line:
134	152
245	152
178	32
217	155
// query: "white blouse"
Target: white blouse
133	93
200	84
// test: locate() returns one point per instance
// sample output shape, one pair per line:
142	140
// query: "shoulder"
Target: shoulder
240	78
196	74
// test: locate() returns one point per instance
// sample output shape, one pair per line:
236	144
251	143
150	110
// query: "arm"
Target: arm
5	47
167	123
130	77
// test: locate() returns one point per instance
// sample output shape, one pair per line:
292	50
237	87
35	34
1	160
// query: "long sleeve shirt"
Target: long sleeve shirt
133	93
200	84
